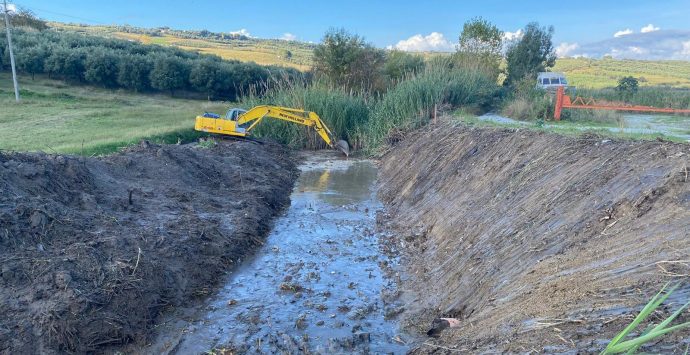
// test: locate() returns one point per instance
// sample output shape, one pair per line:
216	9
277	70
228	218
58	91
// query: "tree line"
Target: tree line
115	63
346	59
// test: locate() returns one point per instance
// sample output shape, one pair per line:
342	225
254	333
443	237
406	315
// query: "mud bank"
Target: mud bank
535	241
92	250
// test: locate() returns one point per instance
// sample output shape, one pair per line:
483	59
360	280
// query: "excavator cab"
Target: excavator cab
234	113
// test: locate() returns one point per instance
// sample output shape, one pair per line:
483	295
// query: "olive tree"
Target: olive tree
133	72
169	74
100	67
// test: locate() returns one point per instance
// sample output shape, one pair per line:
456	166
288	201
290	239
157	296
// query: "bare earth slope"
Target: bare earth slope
91	250
537	242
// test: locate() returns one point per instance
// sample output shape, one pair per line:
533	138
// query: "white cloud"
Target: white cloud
287	36
512	36
566	49
241	32
649	28
656	45
434	42
624	32
685	51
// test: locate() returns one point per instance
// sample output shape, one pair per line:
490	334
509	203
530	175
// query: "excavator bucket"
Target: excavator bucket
342	146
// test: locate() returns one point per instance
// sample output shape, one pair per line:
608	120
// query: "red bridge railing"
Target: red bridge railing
563	101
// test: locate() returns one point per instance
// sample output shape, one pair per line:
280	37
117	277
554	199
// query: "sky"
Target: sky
632	28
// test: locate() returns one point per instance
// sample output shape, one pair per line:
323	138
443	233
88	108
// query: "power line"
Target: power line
66	15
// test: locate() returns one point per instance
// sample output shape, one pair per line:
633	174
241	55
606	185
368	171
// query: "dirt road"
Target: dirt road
92	250
537	242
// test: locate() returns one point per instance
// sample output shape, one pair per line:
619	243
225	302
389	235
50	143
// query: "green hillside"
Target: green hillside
599	73
226	45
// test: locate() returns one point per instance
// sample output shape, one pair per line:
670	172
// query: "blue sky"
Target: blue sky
383	23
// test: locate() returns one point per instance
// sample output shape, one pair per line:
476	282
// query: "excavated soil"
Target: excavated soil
537	242
93	249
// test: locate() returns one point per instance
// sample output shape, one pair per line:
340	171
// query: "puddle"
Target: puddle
316	284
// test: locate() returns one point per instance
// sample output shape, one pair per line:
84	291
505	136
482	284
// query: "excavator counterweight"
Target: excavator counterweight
238	122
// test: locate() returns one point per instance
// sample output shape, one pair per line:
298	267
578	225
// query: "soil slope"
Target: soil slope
536	241
91	250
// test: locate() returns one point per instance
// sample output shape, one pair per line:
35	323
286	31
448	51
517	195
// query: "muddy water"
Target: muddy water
316	284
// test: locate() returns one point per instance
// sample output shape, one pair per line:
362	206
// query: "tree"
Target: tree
246	76
532	54
55	62
479	48
73	67
627	87
169	74
133	72
26	18
32	60
366	73
399	63
205	76
101	68
286	54
346	59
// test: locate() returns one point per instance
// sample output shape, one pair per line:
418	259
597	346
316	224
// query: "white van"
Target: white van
551	80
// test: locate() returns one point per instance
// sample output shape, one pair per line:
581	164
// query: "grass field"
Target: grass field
600	73
57	117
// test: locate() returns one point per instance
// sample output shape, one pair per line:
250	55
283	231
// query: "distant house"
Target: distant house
551	80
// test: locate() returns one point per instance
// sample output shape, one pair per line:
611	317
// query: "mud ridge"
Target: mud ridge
93	249
536	241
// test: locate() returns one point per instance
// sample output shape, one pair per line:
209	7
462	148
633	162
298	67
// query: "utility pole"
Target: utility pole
9	43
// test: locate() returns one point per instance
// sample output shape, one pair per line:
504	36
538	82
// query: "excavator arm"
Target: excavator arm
240	123
254	116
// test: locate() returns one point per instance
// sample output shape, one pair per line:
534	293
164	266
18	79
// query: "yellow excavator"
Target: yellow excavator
239	123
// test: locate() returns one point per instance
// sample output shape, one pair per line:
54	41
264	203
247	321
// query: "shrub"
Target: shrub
627	87
527	102
400	64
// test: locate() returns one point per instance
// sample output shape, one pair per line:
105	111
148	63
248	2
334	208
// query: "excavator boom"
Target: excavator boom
238	122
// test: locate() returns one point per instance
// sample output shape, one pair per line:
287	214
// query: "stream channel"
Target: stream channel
317	285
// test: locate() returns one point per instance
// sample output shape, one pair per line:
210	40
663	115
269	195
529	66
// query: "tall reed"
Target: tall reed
365	121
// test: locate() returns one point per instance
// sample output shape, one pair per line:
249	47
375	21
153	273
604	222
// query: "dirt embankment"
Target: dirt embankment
536	241
91	250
